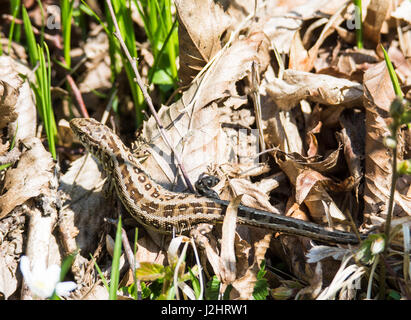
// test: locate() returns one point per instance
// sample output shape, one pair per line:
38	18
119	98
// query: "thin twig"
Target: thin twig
78	96
147	97
388	219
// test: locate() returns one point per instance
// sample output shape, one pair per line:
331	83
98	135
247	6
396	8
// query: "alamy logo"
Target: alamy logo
355	21
53	17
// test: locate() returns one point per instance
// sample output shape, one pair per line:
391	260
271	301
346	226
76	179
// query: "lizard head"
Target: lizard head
98	139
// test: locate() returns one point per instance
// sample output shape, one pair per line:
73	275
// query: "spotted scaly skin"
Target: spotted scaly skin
162	210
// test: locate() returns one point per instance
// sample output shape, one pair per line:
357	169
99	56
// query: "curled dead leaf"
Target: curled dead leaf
297	85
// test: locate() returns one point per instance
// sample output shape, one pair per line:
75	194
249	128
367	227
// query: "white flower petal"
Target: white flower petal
25	268
53	273
64	288
41	281
42	289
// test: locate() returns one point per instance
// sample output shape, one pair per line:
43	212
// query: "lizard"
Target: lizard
166	211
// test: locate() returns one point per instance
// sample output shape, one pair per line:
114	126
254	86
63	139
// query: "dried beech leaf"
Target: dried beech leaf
199	35
403	11
243	287
402	65
316	282
97	75
379	94
281	27
8	100
8	280
211	252
252	195
193	121
30	178
85	205
328	90
281	130
22	101
298	55
377	11
352	137
242	254
311	187
148	251
227	241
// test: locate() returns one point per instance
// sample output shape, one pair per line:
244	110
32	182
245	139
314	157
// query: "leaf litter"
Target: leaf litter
290	71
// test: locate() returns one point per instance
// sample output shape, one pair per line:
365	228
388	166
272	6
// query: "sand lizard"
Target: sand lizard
164	211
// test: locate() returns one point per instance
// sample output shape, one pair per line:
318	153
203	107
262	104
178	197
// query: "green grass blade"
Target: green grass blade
31	40
15	8
358	19
393	75
115	267
125	23
160	53
102	277
66	15
43	23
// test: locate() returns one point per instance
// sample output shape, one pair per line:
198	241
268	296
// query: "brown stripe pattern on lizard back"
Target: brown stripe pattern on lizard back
162	210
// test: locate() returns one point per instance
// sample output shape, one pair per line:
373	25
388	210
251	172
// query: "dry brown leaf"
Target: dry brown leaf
252	195
243	286
281	31
402	65
349	63
377	12
281	129
312	187
352	137
148	251
97	75
227	242
281	27
22	101
11	248
193	121
403	11
314	126
298	55
84	205
199	35
328	90
8	101
379	94
30	178
315	277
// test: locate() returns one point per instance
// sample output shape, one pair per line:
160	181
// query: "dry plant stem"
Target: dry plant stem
131	261
257	105
388	220
177	268
200	269
147	97
78	96
369	287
